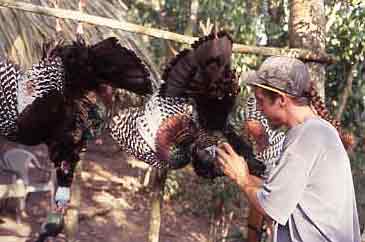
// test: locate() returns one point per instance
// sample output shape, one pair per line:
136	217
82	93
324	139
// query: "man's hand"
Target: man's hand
233	165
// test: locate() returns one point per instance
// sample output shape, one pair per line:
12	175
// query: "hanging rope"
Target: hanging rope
80	27
58	21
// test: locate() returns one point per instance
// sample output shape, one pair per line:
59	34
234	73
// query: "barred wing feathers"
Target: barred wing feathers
124	131
9	77
151	132
44	104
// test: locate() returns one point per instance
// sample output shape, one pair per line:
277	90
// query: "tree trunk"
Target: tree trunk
276	21
307	24
192	25
156	205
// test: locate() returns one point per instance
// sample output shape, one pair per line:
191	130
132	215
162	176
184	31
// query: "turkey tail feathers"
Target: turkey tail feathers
106	62
203	70
163	131
178	72
120	67
204	73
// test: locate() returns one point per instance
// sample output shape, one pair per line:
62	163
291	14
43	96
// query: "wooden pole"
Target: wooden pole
158	185
73	211
317	56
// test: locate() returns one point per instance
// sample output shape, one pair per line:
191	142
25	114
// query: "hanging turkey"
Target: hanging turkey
198	91
46	104
179	123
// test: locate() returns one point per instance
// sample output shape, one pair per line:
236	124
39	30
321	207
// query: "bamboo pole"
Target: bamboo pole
72	213
159	181
163	34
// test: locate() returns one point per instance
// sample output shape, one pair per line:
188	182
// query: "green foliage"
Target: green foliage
239	22
173	187
200	196
179	11
235	16
345	39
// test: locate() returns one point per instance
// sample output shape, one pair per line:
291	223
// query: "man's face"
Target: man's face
271	108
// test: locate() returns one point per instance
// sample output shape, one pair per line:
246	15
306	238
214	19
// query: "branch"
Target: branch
303	54
347	92
162	34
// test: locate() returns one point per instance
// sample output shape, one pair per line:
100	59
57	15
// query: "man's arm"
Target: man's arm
235	167
250	189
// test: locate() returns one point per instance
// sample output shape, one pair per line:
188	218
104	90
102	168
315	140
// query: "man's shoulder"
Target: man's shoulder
312	134
316	122
316	127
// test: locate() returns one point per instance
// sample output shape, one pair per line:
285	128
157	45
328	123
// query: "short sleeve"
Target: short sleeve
282	191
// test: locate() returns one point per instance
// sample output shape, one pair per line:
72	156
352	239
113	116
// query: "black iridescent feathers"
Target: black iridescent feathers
204	73
107	62
203	70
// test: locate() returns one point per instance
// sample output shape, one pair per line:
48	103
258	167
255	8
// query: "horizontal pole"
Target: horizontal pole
303	54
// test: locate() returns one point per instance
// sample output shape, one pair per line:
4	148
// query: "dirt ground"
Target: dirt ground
114	207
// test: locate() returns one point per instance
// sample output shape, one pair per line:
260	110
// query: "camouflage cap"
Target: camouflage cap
281	74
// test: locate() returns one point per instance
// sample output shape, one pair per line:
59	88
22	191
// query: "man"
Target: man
309	195
251	124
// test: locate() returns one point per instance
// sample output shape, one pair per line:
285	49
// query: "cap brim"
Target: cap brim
251	78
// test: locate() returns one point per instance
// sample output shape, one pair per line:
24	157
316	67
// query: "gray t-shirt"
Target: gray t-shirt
310	193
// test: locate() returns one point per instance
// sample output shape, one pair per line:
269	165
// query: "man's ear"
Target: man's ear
283	100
